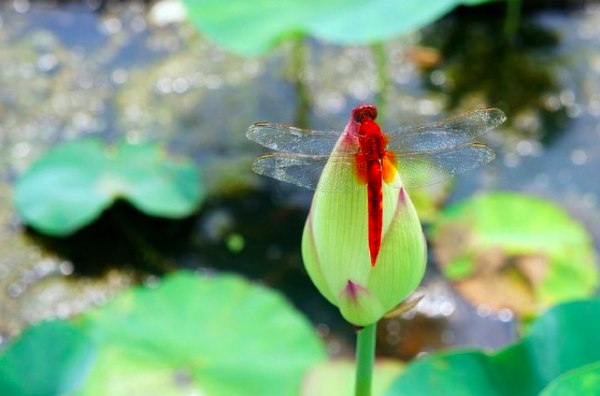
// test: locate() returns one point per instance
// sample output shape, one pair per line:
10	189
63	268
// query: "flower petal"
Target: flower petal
359	305
403	256
312	262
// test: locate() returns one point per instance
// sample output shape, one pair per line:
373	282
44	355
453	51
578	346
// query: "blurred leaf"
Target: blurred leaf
429	200
583	381
337	378
457	373
71	185
509	250
253	27
566	337
214	336
50	359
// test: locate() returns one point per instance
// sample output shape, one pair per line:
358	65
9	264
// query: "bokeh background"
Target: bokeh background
142	72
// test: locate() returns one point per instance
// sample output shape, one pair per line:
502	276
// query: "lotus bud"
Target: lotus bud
335	245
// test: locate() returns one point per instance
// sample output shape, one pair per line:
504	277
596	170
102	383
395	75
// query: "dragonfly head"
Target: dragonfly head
364	111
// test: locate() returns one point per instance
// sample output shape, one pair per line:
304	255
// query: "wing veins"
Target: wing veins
289	139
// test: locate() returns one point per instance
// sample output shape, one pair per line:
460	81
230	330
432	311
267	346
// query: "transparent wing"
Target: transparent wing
424	155
290	139
444	135
306	170
415	170
419	170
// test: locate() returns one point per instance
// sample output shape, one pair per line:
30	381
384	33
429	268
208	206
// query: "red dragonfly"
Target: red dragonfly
419	155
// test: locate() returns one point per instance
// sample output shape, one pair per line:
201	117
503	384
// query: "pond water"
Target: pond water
71	70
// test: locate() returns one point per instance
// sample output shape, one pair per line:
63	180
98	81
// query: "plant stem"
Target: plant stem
298	66
365	358
383	75
512	19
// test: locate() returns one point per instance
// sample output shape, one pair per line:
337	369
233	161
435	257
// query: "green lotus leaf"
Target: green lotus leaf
510	250
253	27
337	378
563	339
75	182
218	336
583	381
50	359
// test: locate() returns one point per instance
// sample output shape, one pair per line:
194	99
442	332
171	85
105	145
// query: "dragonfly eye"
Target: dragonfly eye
359	113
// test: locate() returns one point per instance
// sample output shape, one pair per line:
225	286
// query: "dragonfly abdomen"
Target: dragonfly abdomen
375	207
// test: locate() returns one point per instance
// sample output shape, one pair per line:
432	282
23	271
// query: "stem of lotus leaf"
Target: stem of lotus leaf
512	19
365	359
380	57
298	64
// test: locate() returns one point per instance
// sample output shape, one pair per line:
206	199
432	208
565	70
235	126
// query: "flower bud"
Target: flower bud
335	246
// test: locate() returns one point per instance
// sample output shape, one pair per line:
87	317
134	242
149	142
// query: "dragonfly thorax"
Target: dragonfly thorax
371	140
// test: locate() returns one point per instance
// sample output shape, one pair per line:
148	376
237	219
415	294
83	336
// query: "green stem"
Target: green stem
297	67
512	19
383	75
365	358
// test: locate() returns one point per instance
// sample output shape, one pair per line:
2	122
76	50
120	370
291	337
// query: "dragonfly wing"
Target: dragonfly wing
444	135
293	140
419	170
306	170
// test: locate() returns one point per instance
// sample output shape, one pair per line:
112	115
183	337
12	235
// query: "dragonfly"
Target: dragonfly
404	157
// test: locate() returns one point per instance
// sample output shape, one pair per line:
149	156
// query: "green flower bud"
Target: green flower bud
336	254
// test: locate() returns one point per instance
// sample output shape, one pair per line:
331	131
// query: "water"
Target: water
116	74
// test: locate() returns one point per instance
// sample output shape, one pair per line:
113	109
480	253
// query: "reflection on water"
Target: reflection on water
70	72
517	74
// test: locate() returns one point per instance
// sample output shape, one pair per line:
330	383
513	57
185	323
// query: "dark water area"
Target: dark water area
120	70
